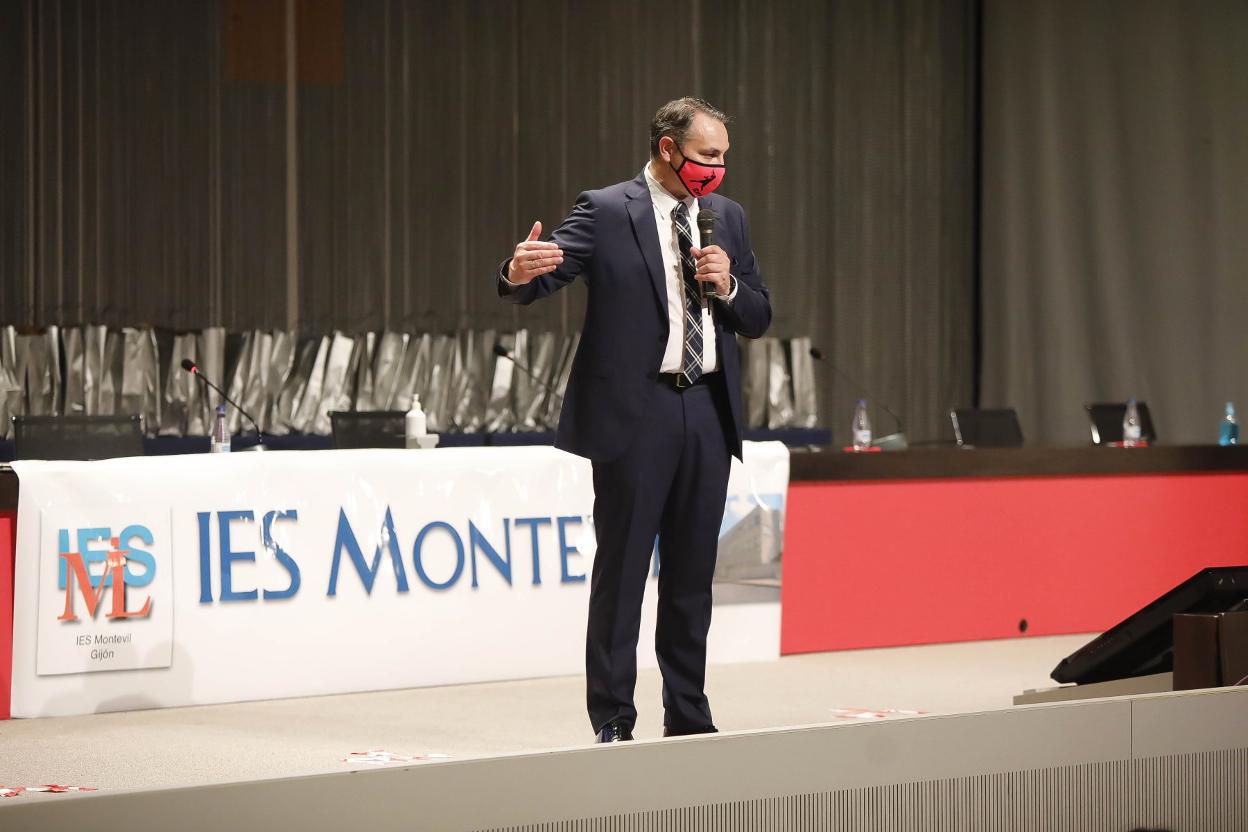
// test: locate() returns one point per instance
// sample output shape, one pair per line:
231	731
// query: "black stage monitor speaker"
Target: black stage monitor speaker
77	437
1144	643
986	428
1105	419
368	428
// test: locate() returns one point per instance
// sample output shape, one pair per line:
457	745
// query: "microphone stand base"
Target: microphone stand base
892	442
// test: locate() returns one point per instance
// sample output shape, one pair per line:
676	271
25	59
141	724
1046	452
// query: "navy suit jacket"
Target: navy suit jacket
611	239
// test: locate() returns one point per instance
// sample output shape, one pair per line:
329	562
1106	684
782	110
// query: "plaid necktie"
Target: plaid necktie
691	361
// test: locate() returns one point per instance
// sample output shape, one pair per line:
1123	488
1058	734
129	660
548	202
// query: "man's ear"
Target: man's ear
666	145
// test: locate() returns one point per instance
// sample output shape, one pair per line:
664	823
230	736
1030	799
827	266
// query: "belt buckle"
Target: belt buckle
682	381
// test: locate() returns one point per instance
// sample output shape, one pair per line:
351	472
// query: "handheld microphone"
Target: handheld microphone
895	440
192	368
503	352
706	236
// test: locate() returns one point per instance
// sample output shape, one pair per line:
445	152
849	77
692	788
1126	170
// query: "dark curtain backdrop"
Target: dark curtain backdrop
1115	257
143	164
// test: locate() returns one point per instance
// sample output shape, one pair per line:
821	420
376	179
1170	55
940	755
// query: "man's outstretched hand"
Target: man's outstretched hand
533	258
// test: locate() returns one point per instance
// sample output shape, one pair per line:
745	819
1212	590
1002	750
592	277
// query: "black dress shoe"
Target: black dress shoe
685	732
615	732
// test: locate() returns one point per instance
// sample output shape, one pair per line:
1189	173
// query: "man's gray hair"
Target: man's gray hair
676	117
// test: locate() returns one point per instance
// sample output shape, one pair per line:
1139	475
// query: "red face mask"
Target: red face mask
698	178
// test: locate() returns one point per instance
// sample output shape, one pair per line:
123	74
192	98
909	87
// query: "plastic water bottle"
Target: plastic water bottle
1230	427
220	433
1131	431
862	427
414	424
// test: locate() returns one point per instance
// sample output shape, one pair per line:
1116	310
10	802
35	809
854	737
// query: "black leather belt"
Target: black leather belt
677	381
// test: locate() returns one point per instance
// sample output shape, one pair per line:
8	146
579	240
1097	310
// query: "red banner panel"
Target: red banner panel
888	563
8	537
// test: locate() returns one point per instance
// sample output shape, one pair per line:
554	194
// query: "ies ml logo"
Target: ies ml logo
78	570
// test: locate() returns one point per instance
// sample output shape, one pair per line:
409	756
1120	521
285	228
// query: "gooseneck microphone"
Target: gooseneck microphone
192	368
706	236
503	352
900	433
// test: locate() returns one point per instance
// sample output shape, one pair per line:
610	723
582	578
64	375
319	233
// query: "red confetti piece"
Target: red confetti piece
377	757
14	791
57	788
868	715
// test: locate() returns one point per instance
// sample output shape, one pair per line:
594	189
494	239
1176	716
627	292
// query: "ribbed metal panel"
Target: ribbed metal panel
1205	792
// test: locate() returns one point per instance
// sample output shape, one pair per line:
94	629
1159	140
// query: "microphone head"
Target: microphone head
189	365
500	350
816	353
706	221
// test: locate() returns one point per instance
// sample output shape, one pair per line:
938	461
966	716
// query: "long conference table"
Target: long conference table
945	544
162	581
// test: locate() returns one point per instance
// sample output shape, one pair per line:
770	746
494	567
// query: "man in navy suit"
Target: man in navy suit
653	399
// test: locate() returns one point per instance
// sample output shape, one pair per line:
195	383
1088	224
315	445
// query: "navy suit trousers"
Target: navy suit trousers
671	482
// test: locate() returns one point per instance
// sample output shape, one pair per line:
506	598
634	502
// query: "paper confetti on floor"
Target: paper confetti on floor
53	788
867	715
378	757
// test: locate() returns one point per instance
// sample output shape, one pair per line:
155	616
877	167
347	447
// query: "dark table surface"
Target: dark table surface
955	463
944	462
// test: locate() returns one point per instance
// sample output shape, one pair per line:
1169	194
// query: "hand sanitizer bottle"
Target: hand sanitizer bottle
415	424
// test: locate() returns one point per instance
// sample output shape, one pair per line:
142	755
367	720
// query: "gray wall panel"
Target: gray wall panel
1115	211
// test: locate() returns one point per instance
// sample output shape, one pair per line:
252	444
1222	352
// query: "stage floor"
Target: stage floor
286	738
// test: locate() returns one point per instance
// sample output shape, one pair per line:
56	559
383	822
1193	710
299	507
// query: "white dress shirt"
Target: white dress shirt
669	248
